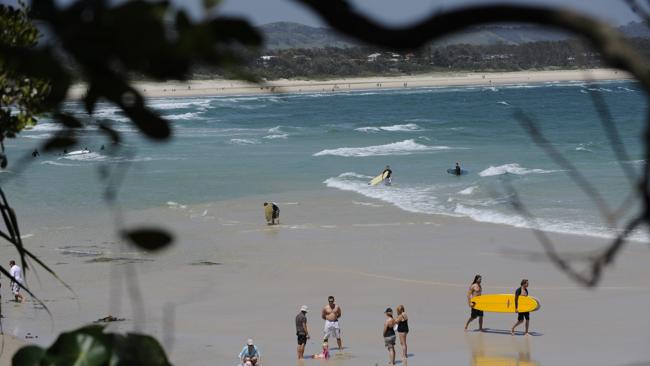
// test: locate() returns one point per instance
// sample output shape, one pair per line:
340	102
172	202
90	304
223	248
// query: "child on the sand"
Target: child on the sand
326	352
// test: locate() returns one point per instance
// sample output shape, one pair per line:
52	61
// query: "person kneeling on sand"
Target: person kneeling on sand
250	355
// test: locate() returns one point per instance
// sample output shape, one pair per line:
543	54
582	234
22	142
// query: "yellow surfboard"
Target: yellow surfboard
378	179
268	212
505	303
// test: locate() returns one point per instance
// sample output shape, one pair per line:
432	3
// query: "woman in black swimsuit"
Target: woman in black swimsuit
402	321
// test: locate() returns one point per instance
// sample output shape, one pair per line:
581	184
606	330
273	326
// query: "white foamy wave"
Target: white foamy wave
56	163
277	136
468	190
512	169
406	147
408	198
584	147
167	104
354	175
244	141
45	127
409	127
549	225
183	116
83	155
503	102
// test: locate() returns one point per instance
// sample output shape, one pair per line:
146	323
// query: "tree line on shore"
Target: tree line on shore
317	63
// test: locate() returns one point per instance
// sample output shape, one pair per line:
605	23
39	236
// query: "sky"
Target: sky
393	12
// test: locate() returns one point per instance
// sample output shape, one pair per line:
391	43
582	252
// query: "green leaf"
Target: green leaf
149	238
28	356
86	346
138	349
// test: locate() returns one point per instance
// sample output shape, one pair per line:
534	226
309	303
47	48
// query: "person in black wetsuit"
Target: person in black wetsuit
457	169
276	213
387	180
402	321
521	291
35	153
389	335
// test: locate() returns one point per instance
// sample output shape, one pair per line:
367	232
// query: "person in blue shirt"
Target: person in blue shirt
249	355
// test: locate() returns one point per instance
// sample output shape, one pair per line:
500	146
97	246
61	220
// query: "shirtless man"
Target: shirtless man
475	290
331	314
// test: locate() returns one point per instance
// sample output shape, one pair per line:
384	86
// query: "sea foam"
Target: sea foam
409	127
512	168
406	147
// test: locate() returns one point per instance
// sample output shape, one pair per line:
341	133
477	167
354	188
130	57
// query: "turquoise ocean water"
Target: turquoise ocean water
230	147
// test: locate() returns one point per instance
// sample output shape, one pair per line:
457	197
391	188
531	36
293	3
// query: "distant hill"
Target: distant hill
283	35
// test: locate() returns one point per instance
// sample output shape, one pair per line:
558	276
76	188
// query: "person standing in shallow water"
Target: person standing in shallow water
389	335
475	289
402	321
457	169
388	180
521	291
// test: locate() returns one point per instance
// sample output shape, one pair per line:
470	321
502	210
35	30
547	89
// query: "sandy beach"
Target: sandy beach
230	277
195	88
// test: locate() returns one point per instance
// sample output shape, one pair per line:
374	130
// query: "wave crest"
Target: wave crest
406	147
512	168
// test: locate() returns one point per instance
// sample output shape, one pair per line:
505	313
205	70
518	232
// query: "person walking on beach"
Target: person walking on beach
475	289
389	335
250	355
17	274
521	291
388	180
331	314
402	321
302	332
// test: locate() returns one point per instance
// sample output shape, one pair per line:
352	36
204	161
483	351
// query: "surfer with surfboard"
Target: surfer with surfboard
475	289
521	291
387	173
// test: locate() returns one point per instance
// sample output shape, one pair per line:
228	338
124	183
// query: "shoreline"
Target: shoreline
356	251
220	87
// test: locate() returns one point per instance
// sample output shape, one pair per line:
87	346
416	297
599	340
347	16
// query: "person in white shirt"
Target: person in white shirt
17	274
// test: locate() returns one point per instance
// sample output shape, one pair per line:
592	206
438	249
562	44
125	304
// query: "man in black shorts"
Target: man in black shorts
521	291
301	331
475	289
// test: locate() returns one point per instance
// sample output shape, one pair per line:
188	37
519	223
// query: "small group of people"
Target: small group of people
476	289
399	324
331	313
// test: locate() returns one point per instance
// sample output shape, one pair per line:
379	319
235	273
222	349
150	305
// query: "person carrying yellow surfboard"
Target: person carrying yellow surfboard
387	175
271	213
521	291
475	289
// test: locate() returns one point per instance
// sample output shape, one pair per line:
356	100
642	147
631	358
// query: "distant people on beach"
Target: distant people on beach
302	332
521	291
250	355
475	289
35	153
17	280
389	335
331	314
457	169
271	213
402	321
388	179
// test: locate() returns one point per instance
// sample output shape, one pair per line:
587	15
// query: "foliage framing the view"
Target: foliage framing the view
22	94
107	43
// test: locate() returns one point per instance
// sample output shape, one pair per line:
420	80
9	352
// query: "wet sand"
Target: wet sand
215	87
230	277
